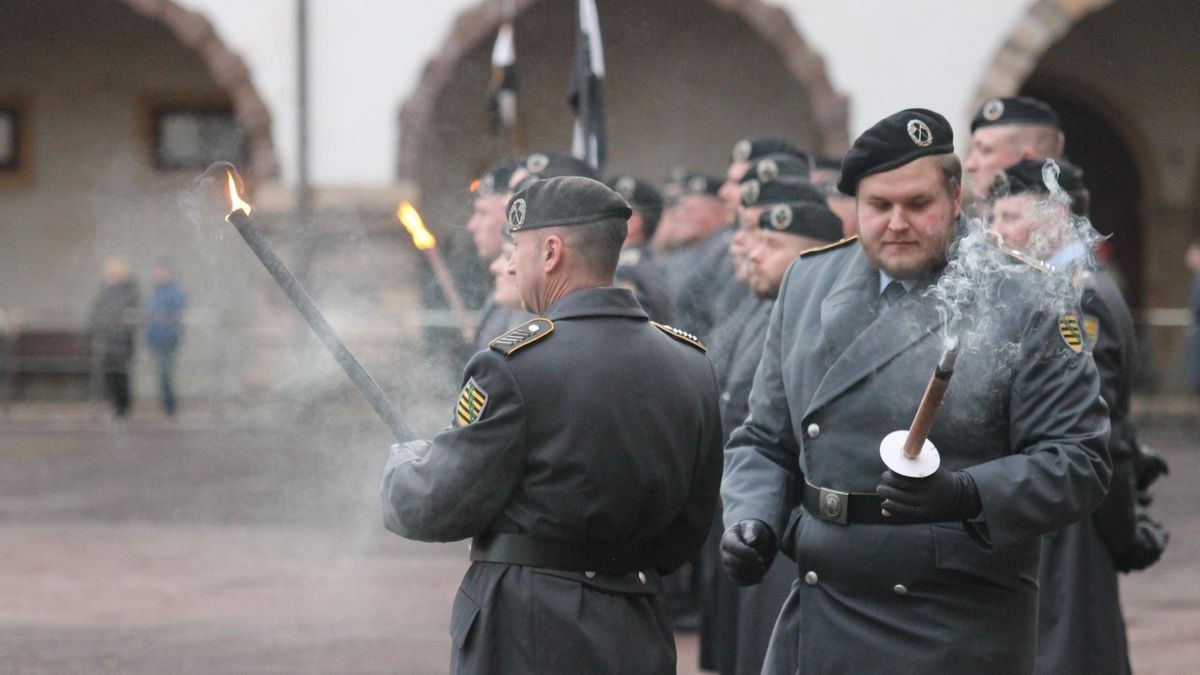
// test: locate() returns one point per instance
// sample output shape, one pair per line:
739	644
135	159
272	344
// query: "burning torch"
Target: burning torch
427	244
239	216
910	453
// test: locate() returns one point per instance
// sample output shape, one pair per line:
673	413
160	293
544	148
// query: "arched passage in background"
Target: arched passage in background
1124	76
685	81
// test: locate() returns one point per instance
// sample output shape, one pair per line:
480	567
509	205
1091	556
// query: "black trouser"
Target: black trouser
166	388
116	388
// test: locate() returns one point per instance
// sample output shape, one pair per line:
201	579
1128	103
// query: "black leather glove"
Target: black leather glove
1147	547
1149	465
941	496
747	551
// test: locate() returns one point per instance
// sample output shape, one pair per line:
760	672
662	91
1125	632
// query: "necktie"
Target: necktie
891	295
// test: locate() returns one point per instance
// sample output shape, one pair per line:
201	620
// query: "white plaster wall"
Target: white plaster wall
367	56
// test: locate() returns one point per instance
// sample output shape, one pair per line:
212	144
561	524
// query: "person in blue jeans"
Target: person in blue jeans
164	328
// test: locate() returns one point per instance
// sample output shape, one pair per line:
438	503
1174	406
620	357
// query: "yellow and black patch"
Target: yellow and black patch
829	247
683	336
471	402
1091	328
522	336
1072	334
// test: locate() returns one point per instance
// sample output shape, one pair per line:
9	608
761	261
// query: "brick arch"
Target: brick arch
774	25
1046	22
228	70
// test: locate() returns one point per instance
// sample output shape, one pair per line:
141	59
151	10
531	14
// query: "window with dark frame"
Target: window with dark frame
10	136
192	139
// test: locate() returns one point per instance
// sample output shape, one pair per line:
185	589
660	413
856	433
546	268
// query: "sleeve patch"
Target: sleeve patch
522	336
471	402
1068	328
683	336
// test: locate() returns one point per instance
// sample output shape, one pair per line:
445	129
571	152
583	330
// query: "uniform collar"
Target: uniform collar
604	301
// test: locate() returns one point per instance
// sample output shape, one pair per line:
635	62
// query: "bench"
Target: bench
59	360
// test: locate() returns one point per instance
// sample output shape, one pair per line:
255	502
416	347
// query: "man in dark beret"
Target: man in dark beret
1080	624
695	232
490	195
933	574
548	164
636	269
1006	130
583	458
825	174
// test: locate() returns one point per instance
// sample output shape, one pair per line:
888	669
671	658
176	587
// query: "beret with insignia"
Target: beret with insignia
750	149
551	164
565	200
755	193
767	169
1014	110
1028	177
685	183
893	142
803	219
638	193
494	181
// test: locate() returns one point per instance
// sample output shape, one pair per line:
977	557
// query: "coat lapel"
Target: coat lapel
857	351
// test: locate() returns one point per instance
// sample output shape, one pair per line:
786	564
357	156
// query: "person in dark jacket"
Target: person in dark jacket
113	324
583	459
164	329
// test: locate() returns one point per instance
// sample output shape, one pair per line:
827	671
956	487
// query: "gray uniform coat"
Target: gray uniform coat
604	430
637	272
495	320
1080	625
836	377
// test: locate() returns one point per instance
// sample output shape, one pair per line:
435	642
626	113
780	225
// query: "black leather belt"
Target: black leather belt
844	507
557	554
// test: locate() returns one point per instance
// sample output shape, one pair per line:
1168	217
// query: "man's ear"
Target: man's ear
553	251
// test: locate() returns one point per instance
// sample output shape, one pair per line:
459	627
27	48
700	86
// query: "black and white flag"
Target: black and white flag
586	92
502	103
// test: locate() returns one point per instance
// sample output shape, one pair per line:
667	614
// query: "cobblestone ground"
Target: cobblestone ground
192	547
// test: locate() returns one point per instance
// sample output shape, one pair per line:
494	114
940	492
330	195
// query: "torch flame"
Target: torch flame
235	202
411	220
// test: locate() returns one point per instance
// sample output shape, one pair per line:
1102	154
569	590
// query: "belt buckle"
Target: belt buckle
833	506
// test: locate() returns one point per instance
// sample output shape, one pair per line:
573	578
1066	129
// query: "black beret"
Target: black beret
750	149
827	163
1014	110
549	164
1026	177
564	200
638	193
685	182
804	219
780	190
771	167
893	142
494	181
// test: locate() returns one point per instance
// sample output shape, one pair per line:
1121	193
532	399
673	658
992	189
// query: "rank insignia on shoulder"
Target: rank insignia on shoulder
522	336
829	247
1091	328
471	402
1068	328
681	335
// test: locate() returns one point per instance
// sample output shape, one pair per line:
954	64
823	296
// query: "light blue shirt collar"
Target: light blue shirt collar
1066	254
884	280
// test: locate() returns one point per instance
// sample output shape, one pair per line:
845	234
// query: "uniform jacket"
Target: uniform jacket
637	272
604	430
495	320
1080	625
837	376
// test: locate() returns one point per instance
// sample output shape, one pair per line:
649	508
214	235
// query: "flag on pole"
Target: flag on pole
502	106
586	92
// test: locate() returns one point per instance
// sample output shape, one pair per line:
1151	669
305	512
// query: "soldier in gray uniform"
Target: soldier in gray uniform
937	574
1080	624
636	269
486	227
583	458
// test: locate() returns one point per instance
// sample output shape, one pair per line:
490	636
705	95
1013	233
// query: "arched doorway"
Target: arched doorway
684	82
1124	76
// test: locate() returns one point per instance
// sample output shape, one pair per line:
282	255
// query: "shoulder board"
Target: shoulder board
682	336
522	336
829	247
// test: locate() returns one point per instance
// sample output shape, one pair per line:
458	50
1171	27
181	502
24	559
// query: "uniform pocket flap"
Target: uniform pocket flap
462	618
1009	566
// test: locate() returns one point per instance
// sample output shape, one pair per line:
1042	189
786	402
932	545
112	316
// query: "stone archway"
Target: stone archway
772	25
228	70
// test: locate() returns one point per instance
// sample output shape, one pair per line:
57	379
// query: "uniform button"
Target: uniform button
810	578
642	577
814	430
590	575
725	396
900	589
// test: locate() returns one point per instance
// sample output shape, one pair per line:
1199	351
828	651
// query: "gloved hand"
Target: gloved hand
747	551
1149	466
402	453
939	497
1147	547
